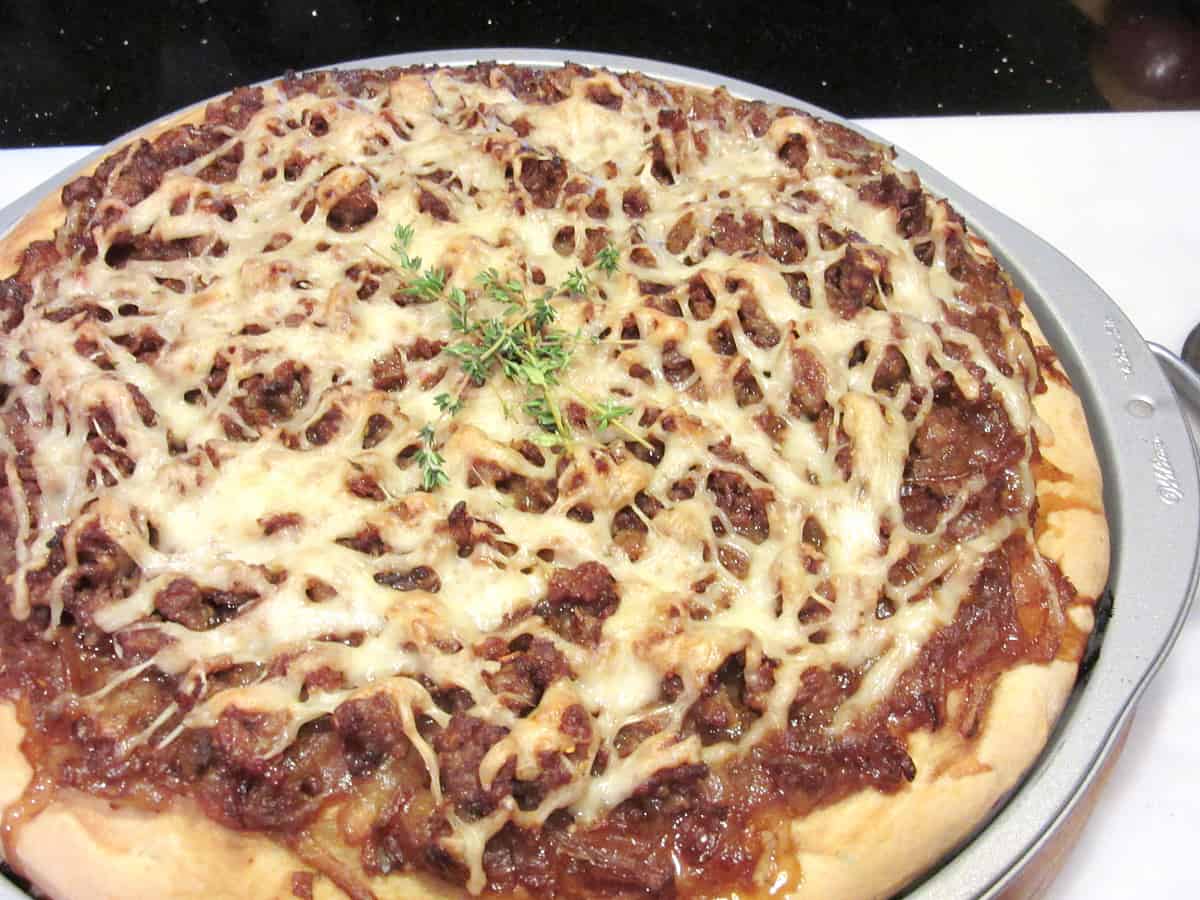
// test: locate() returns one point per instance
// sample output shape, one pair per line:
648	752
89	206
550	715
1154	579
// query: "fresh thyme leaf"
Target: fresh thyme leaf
487	278
460	311
608	411
543	312
447	404
509	293
433	475
546	439
576	283
608	259
463	349
539	410
403	236
429	286
544	410
535	374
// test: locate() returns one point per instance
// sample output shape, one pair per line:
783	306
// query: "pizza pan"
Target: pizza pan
1151	472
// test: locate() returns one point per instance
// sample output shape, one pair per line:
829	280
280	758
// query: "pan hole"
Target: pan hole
1140	408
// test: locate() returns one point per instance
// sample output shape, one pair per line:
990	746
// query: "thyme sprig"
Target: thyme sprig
608	259
401	240
578	283
432	463
609	412
521	343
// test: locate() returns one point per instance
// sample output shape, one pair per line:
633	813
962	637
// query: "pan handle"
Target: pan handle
1186	382
1184	379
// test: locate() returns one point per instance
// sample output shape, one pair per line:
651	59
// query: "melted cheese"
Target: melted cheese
195	504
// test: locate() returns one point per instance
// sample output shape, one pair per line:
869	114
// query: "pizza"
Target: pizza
521	481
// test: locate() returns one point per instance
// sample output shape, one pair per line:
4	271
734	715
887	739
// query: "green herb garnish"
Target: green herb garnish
447	404
608	412
577	282
433	475
428	286
522	343
402	238
608	259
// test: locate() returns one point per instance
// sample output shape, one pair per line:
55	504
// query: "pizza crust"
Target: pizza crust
1071	528
39	224
178	853
83	848
183	853
958	783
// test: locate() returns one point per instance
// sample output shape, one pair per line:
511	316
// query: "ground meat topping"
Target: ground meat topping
543	179
525	673
578	601
461	747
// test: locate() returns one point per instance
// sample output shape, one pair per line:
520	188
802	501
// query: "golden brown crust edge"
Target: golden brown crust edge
81	848
41	222
958	783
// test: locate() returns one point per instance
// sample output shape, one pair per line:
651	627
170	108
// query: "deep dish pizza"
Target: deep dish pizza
517	481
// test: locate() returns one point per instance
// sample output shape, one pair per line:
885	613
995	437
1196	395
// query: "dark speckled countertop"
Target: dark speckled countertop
82	72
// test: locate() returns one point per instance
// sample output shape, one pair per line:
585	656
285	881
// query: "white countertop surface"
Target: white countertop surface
1119	194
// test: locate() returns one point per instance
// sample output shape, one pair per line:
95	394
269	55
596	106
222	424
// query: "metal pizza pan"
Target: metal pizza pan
1150	464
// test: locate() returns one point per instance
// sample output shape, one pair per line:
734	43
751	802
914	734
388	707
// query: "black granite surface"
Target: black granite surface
82	72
